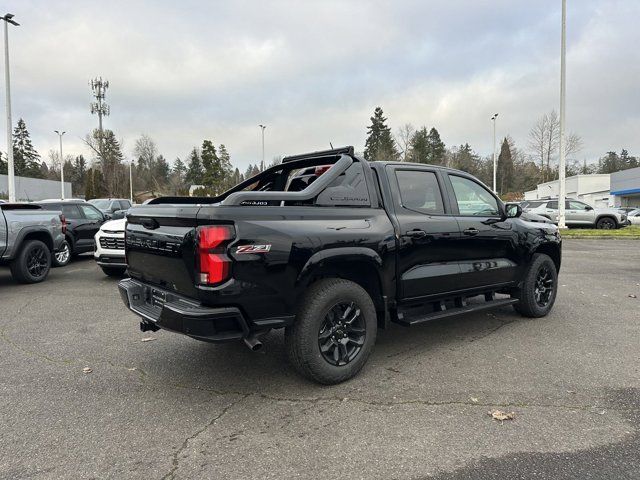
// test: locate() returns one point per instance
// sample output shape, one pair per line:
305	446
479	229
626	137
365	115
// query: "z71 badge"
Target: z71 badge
253	249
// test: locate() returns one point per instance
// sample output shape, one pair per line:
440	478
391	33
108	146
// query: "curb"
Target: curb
594	237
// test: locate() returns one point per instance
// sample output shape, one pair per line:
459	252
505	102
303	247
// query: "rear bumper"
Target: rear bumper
178	314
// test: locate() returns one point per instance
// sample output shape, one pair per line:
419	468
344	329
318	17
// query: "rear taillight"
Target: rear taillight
64	224
214	263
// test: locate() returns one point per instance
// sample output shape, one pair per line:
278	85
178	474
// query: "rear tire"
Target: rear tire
539	288
333	333
32	264
114	271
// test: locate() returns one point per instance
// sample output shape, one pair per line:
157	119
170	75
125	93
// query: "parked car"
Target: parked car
109	206
579	214
109	252
634	216
83	221
330	247
626	210
29	237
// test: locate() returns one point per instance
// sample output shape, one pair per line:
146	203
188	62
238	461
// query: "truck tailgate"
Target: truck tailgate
160	246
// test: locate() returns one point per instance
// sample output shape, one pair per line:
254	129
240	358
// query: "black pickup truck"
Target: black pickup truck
331	248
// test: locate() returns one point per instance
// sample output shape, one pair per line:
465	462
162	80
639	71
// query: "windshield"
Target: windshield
101	204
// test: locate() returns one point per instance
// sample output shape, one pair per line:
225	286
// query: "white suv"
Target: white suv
578	213
109	252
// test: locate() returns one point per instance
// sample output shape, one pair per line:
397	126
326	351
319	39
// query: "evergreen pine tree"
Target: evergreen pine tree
504	173
179	168
4	165
379	144
419	146
195	172
212	169
437	151
26	159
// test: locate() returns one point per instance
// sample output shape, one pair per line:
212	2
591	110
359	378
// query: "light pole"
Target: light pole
562	160
11	174
262	127
131	182
61	165
495	162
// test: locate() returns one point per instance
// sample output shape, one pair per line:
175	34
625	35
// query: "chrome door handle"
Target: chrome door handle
471	231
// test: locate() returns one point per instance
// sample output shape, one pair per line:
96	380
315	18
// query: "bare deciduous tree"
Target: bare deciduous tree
404	135
544	143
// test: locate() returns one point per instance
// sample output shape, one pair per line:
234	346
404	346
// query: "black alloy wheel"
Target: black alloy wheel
342	334
37	261
544	286
606	224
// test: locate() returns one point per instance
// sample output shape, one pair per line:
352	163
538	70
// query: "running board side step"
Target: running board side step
459	309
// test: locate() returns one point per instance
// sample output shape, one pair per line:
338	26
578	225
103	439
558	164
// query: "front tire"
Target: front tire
539	288
114	271
334	331
32	264
63	256
606	223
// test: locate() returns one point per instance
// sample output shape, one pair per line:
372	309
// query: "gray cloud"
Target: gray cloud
313	71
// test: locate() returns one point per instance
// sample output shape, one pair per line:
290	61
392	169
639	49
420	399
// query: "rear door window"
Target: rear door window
419	191
552	205
71	212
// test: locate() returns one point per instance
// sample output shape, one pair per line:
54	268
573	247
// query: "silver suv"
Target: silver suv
578	213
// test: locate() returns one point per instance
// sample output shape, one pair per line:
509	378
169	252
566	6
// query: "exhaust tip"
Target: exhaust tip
253	343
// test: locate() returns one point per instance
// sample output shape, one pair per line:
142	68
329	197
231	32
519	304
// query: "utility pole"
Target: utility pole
495	161
99	91
562	160
11	173
61	165
262	127
131	181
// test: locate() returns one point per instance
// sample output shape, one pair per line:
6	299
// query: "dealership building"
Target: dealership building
592	189
625	188
33	189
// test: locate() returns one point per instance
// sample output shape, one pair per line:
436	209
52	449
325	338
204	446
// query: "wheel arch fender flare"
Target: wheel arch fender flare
340	261
32	232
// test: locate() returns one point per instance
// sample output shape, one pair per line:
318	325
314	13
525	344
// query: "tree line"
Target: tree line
518	170
208	170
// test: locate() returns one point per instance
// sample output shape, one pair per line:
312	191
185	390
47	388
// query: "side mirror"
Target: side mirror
588	208
118	215
513	210
106	216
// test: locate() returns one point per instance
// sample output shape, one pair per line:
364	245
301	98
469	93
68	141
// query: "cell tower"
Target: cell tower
99	91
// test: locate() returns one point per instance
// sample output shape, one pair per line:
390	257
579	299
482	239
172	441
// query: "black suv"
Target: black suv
83	222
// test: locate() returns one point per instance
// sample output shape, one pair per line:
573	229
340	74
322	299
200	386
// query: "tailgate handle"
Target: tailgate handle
150	223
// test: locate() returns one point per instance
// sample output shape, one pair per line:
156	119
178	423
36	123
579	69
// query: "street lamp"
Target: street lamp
262	127
61	165
11	177
131	181
495	162
562	160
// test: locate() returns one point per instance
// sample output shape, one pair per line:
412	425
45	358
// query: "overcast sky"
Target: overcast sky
313	71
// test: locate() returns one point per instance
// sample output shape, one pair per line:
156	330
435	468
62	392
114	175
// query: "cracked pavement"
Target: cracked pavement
178	408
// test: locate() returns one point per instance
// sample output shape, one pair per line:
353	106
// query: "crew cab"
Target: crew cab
29	237
331	248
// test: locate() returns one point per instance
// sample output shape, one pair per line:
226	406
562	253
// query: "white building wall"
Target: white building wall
33	189
593	189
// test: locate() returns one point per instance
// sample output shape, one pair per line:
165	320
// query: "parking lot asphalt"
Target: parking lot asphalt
178	408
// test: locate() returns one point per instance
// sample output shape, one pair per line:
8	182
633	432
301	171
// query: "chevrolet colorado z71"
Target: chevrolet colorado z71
29	237
331	247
